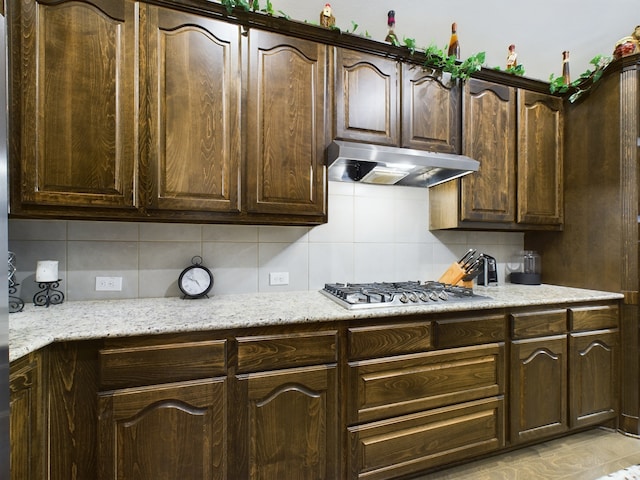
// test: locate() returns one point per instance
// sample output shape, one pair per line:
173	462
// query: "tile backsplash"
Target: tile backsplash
374	233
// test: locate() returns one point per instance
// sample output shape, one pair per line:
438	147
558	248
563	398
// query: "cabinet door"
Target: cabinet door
366	100
288	424
539	158
489	132
431	111
73	135
191	78
286	120
27	424
593	383
173	431
538	388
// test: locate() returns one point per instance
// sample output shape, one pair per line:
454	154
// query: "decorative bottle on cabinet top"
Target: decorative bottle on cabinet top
454	45
565	67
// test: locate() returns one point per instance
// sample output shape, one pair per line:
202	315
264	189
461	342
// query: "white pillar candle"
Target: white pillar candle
47	271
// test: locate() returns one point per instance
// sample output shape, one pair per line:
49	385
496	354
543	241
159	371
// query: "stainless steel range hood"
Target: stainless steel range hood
360	162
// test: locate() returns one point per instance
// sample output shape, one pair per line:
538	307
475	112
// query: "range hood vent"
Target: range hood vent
360	162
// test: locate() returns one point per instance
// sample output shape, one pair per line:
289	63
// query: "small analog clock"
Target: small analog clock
196	280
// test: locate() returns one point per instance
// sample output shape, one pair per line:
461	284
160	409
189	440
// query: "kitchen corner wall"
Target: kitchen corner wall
374	233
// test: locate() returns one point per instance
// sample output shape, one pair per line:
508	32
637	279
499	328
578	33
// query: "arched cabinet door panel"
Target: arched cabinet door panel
287	115
288	424
192	83
72	115
367	107
164	431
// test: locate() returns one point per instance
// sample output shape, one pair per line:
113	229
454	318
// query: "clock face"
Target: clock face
195	281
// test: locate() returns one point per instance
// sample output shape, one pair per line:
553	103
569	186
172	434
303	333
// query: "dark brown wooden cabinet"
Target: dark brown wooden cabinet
593	363
416	407
164	431
367	98
287	117
431	110
27	387
539	382
190	85
387	102
489	126
290	424
563	370
166	414
540	159
73	128
179	119
516	135
378	398
287	408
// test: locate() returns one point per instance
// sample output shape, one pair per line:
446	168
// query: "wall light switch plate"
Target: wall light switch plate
108	284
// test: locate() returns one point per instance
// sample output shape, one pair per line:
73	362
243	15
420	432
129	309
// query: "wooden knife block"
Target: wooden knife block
453	276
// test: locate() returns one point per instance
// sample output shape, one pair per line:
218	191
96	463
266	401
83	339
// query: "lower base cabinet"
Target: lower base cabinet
370	399
593	365
173	431
538	388
288	424
28	447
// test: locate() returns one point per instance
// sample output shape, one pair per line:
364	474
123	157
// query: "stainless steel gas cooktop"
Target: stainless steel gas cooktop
396	294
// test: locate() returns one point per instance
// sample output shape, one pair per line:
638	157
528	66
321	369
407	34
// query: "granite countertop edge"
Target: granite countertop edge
37	327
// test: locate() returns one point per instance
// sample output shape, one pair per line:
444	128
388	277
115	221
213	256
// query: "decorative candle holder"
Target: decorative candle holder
48	295
16	304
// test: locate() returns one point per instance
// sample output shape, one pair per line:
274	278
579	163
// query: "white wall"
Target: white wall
541	29
374	233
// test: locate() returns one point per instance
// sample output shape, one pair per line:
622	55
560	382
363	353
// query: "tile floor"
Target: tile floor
583	456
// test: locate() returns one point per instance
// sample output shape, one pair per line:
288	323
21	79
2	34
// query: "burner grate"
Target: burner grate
387	294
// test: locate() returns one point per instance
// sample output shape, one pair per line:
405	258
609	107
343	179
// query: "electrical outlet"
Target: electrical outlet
108	284
279	278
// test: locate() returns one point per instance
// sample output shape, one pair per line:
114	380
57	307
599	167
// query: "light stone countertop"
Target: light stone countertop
36	327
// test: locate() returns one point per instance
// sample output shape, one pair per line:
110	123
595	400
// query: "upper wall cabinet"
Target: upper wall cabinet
72	109
133	111
367	92
287	118
191	85
383	101
516	135
430	111
540	159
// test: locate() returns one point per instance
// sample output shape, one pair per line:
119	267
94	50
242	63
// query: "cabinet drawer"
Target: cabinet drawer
413	443
368	342
275	352
594	318
384	388
458	332
148	364
539	324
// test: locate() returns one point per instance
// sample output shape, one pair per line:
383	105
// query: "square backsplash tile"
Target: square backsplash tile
89	259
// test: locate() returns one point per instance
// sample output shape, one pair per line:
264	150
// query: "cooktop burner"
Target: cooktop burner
392	294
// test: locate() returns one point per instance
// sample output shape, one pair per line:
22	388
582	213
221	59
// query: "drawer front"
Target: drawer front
413	443
470	331
539	324
594	318
369	342
386	388
275	352
132	366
